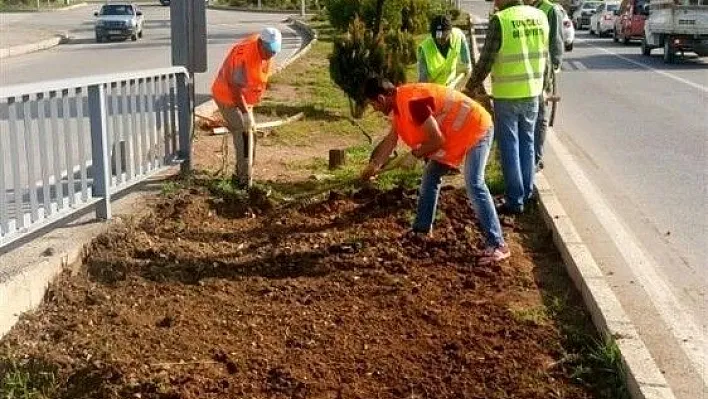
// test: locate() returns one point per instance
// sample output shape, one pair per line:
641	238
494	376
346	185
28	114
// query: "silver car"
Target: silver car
119	20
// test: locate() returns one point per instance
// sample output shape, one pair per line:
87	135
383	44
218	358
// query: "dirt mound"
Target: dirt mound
325	300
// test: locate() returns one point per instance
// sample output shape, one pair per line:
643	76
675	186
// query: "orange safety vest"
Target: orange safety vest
257	70
462	121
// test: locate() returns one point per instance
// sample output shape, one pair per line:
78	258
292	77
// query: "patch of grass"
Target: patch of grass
26	379
348	175
493	173
536	316
602	368
325	105
170	187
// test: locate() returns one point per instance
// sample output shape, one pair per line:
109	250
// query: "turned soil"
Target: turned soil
221	297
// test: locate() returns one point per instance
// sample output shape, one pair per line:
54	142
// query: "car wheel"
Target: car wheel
669	52
140	34
646	50
569	47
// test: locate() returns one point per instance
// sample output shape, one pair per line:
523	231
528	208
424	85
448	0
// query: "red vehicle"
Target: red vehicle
629	24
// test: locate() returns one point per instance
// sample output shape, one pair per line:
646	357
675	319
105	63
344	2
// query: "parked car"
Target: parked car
568	30
120	20
603	21
581	17
629	24
679	26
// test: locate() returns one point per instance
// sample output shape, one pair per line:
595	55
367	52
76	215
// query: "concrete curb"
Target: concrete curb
305	30
33	47
24	290
643	377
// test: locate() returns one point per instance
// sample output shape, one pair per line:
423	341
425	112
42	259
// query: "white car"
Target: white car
568	30
603	21
122	20
581	17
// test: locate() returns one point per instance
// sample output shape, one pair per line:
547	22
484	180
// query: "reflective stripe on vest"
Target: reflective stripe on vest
257	71
462	121
518	69
442	70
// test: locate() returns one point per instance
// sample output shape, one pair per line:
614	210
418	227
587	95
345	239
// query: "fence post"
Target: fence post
99	150
184	115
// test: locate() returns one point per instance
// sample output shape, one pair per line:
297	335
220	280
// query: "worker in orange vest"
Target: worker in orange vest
238	87
444	127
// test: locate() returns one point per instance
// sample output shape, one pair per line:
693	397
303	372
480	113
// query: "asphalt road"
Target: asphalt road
636	129
82	56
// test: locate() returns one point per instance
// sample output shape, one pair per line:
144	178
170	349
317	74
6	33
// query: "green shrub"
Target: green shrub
359	53
408	15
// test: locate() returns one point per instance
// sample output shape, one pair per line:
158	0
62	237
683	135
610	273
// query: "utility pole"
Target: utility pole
302	7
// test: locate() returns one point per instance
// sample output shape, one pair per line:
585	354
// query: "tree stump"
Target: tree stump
337	158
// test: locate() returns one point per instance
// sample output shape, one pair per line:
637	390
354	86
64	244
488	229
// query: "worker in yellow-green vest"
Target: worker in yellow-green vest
439	54
515	52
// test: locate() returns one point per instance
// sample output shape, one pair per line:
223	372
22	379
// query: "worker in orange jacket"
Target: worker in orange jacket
444	127
238	87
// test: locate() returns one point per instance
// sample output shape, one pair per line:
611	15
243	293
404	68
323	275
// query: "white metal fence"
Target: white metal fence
66	145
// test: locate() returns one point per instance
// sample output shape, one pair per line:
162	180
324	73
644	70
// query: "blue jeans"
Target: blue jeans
514	124
539	136
428	196
482	203
478	192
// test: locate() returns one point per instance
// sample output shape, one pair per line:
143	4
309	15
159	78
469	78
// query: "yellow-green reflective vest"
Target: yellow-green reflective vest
442	70
545	6
519	66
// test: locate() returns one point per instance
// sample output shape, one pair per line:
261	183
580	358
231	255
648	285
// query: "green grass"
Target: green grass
325	106
26	379
601	366
493	173
169	187
536	316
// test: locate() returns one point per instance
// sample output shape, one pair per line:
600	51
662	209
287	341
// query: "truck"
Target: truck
629	21
679	26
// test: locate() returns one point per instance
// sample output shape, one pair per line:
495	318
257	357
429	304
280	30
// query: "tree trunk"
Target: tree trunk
337	158
379	16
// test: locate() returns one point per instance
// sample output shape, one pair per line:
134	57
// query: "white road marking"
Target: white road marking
645	66
690	336
579	66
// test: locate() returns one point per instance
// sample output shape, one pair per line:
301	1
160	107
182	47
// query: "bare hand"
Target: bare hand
369	172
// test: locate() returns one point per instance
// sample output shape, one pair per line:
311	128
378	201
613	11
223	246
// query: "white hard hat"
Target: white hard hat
272	39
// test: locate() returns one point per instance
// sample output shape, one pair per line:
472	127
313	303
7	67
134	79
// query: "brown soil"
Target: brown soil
270	163
216	298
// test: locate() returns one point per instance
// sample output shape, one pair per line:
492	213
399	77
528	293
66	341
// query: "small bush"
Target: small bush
359	53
